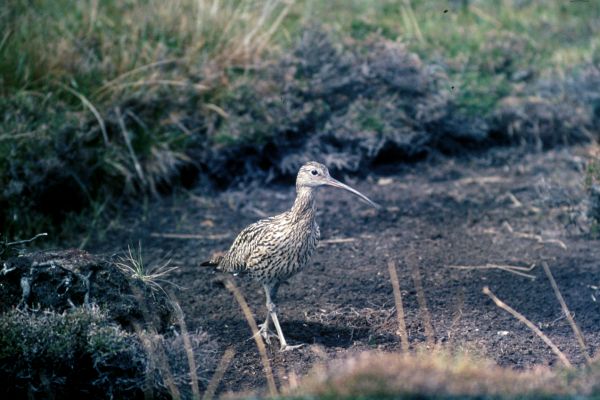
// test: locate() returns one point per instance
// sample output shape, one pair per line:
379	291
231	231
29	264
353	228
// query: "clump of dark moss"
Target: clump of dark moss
46	354
49	354
73	324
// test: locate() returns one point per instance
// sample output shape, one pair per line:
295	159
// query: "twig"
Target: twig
561	356
513	269
190	236
26	240
256	334
540	239
218	375
567	313
480	179
399	306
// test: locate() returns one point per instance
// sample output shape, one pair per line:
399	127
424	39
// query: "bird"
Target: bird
274	249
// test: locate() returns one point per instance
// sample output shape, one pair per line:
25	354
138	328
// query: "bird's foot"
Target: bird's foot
287	347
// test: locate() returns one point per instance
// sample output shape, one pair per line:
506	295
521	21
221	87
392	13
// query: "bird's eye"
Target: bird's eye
314	172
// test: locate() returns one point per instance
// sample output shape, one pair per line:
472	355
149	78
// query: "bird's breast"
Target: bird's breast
290	251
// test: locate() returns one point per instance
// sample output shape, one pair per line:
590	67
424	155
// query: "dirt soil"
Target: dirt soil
505	207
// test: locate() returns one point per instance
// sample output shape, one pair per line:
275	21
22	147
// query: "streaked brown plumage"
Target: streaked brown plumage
273	249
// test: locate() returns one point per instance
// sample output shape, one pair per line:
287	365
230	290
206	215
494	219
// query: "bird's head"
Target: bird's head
313	174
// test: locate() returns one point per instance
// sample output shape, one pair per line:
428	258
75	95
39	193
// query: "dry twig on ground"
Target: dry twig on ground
561	356
567	312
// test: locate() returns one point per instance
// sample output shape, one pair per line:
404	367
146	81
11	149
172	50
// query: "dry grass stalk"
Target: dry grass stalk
84	100
18	242
256	334
482	180
190	236
336	241
134	159
423	309
399	306
218	375
187	344
567	312
561	356
513	269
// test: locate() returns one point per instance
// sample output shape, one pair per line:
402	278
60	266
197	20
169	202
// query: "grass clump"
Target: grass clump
105	99
132	263
434	375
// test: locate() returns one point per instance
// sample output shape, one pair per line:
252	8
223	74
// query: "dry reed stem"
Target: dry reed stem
561	356
567	312
423	309
399	306
187	344
255	334
218	375
513	269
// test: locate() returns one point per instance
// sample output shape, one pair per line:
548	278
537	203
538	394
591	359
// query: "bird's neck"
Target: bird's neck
304	205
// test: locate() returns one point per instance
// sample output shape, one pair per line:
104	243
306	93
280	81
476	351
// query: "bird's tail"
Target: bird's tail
213	262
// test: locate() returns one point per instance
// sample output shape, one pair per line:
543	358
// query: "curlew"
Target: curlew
275	248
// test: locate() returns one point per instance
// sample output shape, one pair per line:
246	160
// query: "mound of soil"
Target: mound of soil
64	280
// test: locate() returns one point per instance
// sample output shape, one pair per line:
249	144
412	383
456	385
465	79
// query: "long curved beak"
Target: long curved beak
335	183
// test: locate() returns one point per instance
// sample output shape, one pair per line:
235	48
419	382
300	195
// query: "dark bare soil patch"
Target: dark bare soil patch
505	207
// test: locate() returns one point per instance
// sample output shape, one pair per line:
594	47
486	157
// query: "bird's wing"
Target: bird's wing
250	242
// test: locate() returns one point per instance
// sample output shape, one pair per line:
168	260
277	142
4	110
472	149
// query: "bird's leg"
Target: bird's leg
271	292
264	327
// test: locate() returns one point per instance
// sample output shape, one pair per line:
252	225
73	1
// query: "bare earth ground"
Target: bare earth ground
504	207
